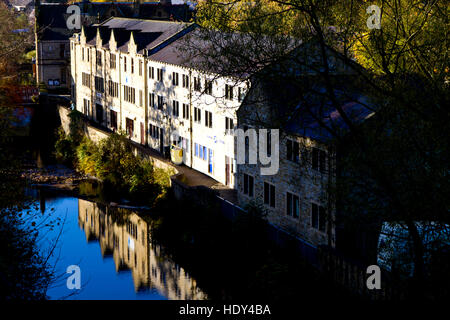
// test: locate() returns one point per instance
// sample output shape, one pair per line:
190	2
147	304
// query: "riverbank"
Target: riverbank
57	176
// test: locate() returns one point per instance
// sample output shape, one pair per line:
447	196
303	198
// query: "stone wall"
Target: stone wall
299	179
96	134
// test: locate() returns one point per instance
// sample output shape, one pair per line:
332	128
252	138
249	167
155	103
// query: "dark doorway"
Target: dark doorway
129	127
227	171
99	113
113	116
161	140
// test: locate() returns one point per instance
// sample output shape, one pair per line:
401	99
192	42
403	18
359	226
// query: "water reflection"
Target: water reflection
126	237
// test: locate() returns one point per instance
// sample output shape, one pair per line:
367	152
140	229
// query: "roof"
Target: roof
52	22
52	17
306	109
148	34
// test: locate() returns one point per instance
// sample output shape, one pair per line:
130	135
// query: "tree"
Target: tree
394	167
15	36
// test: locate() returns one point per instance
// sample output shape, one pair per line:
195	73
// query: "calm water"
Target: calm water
115	253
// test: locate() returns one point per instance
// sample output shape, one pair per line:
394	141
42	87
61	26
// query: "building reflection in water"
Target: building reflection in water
126	237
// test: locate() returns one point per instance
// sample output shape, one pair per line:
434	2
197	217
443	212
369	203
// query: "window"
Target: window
160	102
151	72
129	94
125	64
88	54
176	108
113	119
86	106
129	126
318	217
99	85
63	75
229	125
86	79
154	131
112	59
248	185
132	65
175	78
200	151
185	81
141	103
197	115
319	160
160	74
113	88
62	49
99	112
140	68
293	151
82	54
197	84
208	86
208	119
292	205
269	194
99	58
185	111
240	94
151	100
228	92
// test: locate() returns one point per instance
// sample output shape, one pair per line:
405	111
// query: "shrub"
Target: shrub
64	151
113	161
87	154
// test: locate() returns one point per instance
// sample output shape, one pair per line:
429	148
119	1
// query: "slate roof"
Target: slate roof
303	110
52	22
148	34
52	16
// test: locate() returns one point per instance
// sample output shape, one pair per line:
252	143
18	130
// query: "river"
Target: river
114	250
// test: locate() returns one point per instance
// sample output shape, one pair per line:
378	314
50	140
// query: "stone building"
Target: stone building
131	75
52	34
297	197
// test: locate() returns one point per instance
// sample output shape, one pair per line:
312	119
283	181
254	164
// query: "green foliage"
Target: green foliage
112	160
86	154
76	126
63	148
29	55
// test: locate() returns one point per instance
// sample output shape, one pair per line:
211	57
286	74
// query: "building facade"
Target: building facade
129	75
297	197
52	34
132	76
